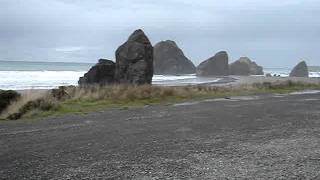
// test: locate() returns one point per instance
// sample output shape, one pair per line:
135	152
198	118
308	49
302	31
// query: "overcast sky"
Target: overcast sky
271	32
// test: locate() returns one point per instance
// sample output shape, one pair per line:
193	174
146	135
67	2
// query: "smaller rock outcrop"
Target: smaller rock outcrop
300	70
244	67
215	66
134	60
268	75
102	73
239	68
170	59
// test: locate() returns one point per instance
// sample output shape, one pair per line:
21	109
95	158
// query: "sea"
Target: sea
22	75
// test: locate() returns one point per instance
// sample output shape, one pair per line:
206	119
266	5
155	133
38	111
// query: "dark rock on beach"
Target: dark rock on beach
214	66
134	60
268	75
244	67
102	73
300	70
170	59
7	97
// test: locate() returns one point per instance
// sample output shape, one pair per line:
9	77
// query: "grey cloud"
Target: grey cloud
274	33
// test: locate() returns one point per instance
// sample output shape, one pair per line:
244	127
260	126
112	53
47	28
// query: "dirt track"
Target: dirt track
266	137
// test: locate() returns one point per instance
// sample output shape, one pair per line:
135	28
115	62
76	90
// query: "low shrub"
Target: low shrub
6	98
41	104
60	93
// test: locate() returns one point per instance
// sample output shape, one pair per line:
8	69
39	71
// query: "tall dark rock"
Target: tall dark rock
300	70
244	67
170	59
134	60
215	66
102	73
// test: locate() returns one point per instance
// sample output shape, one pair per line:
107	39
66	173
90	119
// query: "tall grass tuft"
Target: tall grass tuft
6	98
25	97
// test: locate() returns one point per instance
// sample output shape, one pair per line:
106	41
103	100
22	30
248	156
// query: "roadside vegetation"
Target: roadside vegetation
95	98
6	97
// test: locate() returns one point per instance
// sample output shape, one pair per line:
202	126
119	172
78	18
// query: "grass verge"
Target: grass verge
95	98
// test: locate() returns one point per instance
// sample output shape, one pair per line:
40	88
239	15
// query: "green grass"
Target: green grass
90	99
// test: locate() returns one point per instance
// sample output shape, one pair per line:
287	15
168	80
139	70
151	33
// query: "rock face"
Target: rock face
102	73
239	68
134	60
244	67
301	70
134	64
170	59
214	66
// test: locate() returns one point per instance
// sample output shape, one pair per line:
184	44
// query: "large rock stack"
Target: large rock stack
134	60
300	70
134	64
244	67
215	66
170	59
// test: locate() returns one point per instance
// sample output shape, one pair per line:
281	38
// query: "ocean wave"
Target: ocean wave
159	78
20	80
283	73
314	74
182	80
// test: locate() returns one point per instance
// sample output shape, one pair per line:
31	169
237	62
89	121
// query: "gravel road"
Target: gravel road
256	137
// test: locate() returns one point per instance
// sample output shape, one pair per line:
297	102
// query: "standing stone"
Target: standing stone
300	70
214	66
102	73
244	67
134	60
170	59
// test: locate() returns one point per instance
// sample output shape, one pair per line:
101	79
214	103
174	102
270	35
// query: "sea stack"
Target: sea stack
300	70
134	60
245	67
215	66
102	74
170	59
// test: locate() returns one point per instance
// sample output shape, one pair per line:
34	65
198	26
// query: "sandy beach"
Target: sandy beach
216	81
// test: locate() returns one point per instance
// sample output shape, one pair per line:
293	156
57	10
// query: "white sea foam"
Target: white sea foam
160	78
305	92
314	74
182	80
285	72
18	80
